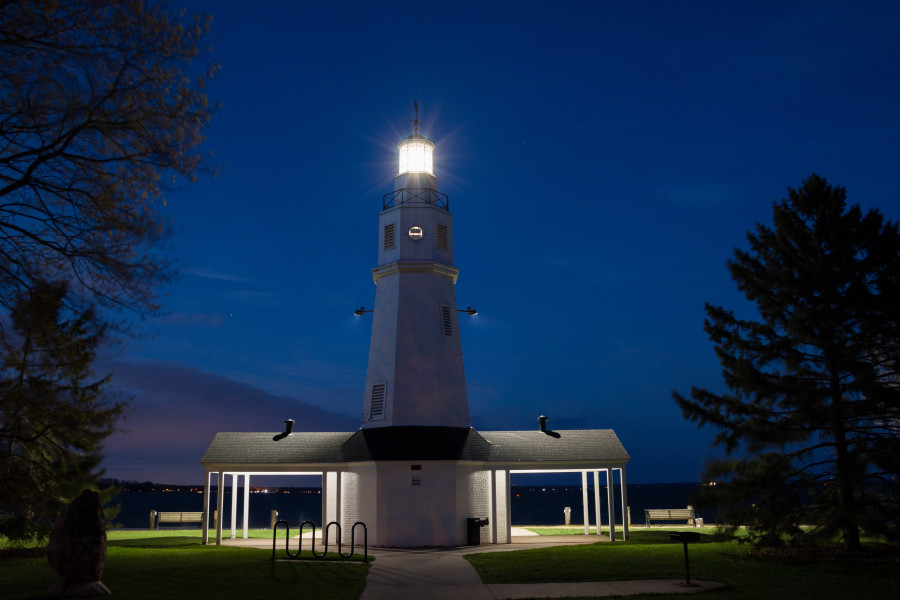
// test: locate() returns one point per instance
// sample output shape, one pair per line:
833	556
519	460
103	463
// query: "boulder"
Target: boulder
78	548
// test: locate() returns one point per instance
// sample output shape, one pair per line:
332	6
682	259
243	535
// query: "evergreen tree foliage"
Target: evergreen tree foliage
811	419
54	414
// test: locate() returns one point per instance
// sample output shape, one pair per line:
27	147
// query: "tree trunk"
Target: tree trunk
845	477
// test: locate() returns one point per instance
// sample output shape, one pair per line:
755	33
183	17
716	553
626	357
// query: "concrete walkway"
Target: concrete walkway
443	574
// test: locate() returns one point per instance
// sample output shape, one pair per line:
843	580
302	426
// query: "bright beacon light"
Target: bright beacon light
416	155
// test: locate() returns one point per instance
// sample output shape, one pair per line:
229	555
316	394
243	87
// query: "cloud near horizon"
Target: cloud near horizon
177	410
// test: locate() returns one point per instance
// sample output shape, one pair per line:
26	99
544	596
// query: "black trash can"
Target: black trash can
473	530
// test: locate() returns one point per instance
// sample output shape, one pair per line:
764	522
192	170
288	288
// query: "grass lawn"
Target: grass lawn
562	530
650	555
174	564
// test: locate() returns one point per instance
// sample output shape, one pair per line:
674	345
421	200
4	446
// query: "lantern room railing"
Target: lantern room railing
416	196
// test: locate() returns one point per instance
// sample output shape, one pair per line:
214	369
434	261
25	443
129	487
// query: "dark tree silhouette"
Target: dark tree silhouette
54	414
811	422
102	108
101	111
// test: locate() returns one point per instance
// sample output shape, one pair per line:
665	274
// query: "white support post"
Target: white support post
625	523
508	483
246	504
597	505
493	501
234	495
611	506
338	508
584	502
324	500
206	509
220	504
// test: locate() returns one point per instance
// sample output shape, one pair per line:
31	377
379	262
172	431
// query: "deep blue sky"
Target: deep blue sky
602	161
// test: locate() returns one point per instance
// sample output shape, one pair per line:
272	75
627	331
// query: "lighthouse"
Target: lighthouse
415	374
415	473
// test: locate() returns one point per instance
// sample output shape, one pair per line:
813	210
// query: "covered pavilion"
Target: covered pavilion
489	457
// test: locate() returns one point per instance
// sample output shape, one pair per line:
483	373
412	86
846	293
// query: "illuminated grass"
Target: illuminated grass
650	555
121	534
261	534
174	564
563	530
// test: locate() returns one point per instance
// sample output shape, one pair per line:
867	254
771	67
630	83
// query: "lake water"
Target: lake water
531	505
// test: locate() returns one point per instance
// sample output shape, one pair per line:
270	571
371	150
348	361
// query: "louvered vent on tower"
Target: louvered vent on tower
442	237
389	236
446	323
376	402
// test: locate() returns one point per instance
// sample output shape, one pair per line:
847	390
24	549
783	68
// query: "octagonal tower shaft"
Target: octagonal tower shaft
415	373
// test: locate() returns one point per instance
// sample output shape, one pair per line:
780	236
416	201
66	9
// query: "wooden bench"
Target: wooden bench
671	514
178	517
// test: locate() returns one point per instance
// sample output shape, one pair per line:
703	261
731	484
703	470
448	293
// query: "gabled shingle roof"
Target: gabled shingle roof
513	448
271	448
565	445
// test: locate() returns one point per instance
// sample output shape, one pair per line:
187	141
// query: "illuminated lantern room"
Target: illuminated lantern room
416	155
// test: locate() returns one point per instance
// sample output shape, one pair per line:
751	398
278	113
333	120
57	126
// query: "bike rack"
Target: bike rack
316	555
325	539
353	541
287	539
300	541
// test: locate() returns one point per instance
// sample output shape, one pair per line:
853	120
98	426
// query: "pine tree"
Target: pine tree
54	414
811	421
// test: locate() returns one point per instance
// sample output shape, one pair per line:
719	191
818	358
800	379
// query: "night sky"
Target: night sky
602	160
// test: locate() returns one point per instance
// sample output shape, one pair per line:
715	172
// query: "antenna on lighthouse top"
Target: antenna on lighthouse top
416	121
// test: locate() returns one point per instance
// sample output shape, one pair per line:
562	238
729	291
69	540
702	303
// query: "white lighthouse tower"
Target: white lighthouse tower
415	375
415	473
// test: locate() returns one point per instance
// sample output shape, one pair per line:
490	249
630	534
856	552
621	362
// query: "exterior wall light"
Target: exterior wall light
361	311
468	309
